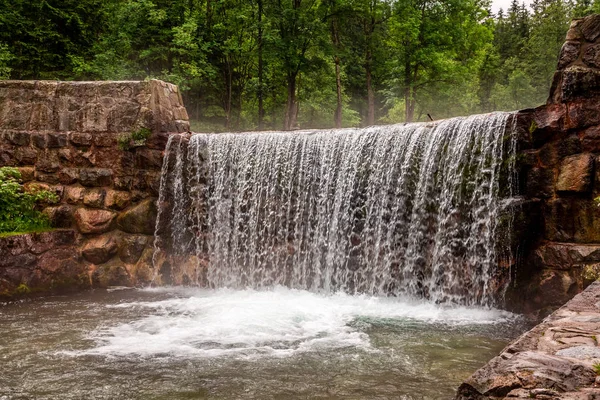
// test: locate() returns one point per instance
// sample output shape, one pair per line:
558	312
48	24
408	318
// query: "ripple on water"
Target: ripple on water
281	343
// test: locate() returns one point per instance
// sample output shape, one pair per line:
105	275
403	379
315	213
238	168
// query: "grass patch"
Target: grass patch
36	230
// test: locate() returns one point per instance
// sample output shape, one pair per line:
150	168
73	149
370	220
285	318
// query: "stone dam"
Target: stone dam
316	210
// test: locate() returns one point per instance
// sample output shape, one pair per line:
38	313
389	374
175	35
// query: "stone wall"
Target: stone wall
41	262
73	138
559	162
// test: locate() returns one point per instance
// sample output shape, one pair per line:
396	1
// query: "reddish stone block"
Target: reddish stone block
100	249
576	174
94	221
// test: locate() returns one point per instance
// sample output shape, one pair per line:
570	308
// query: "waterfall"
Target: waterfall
406	210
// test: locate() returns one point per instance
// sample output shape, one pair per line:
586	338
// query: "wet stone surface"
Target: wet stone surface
554	360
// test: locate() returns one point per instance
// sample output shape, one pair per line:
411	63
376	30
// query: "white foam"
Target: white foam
277	322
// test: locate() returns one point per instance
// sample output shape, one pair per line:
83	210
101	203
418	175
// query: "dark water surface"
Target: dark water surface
177	343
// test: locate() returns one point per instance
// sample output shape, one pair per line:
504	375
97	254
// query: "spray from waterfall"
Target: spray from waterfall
391	210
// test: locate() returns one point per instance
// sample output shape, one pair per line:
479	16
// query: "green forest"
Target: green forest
288	64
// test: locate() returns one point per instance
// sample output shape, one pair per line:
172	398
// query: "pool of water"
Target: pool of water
178	343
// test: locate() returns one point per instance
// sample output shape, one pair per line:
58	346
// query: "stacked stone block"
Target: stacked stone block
64	137
559	160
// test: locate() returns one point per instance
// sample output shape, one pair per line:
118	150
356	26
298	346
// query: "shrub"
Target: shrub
18	207
134	139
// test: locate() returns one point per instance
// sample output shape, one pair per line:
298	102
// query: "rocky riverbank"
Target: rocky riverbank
557	359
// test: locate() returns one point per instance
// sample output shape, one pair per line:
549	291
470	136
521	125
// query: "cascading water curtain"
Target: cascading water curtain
391	210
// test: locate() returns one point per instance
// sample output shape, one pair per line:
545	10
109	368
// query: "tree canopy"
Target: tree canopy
286	64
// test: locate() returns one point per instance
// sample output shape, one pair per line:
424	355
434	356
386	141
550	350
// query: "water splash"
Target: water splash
393	210
280	322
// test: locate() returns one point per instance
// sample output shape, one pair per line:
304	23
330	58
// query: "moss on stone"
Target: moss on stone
40	230
532	127
22	289
134	139
591	272
57	286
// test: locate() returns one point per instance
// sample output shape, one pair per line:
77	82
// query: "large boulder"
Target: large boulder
564	256
60	268
140	218
94	221
568	53
60	216
116	199
143	271
540	182
591	57
579	82
552	288
589	27
112	273
572	220
74	194
38	243
100	249
131	247
94	197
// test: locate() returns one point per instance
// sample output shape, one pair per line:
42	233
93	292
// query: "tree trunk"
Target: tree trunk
291	108
228	94
338	83
335	38
208	16
409	105
261	107
370	93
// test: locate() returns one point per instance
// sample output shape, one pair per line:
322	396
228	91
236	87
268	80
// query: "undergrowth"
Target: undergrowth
19	208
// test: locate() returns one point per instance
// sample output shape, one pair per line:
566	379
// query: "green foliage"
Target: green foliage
134	139
19	212
379	61
596	367
44	37
5	59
